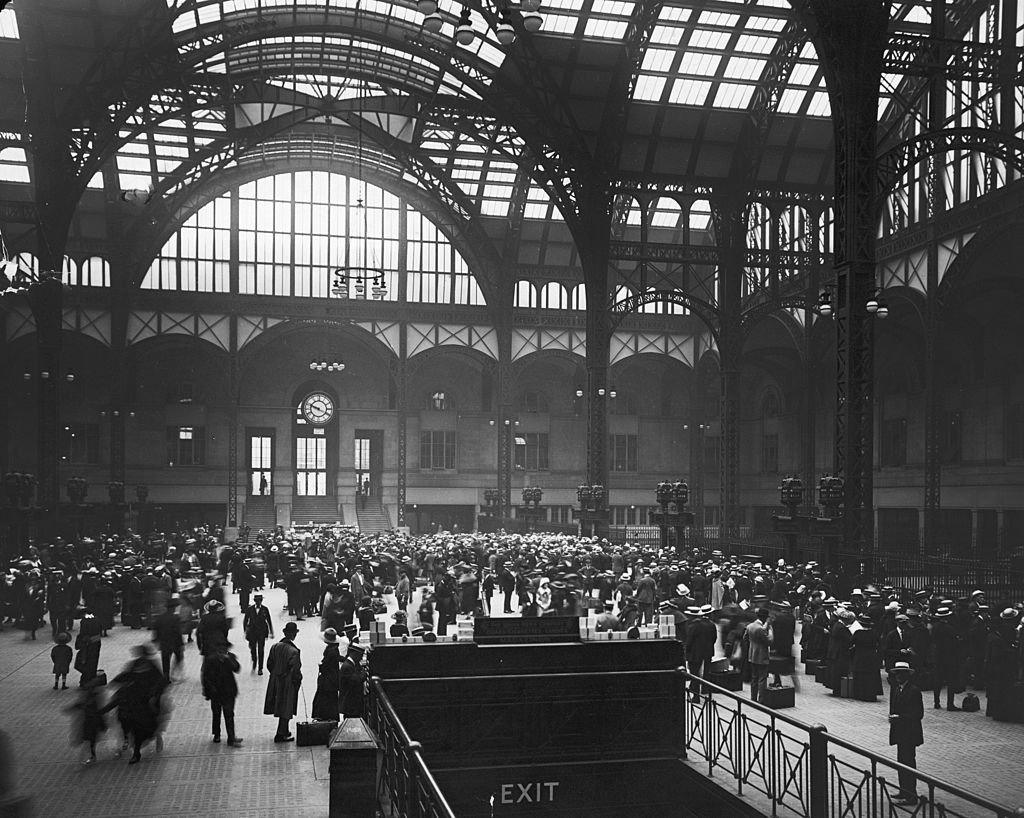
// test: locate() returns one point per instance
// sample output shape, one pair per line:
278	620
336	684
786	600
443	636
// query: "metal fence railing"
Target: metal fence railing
804	771
406	788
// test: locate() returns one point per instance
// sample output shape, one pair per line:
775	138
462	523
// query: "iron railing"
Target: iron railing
406	787
797	769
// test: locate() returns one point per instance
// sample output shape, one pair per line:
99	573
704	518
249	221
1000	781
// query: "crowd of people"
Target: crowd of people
754	612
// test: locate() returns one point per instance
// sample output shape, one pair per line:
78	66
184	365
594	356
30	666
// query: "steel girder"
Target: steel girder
710	254
919	55
708	313
897	161
234	395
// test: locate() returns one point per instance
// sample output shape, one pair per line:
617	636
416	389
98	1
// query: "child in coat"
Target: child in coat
61	656
89	721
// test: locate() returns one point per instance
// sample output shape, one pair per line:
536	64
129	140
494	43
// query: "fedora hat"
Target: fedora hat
290	627
330	636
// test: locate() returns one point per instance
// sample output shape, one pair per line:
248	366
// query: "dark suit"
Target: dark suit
257	627
946	647
838	655
905	732
893	643
701	636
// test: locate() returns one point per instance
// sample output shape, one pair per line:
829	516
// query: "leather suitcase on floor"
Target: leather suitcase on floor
846	687
811	666
821	674
782	665
313	733
778	698
729	679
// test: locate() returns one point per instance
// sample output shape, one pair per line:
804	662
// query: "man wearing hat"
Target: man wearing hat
284	664
257	626
896	642
906	710
755	638
221	689
946	645
167	634
701	636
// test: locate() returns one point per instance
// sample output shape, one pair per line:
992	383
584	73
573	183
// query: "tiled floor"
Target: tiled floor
193	775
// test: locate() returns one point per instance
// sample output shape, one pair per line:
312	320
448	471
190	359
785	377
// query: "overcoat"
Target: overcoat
284	663
906	702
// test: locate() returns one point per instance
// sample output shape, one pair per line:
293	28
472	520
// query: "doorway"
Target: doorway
368	462
261	462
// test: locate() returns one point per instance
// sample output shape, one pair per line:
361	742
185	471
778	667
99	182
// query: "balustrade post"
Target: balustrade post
686	708
412	751
818	761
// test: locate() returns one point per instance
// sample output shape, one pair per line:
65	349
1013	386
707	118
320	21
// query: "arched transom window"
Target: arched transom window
286	234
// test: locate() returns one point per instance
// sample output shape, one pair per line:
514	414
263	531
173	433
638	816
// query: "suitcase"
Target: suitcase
719	665
314	733
846	687
778	698
100	678
821	674
811	666
781	665
729	679
970	703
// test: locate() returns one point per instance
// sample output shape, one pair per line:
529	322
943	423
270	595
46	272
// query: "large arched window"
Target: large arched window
293	230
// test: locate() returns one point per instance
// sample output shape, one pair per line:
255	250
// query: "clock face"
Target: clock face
318	408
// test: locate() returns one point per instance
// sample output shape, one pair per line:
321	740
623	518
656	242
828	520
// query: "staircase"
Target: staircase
323	510
373	518
260	513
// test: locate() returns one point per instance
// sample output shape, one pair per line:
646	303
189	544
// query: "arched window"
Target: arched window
94	272
526	295
314	234
578	297
553	297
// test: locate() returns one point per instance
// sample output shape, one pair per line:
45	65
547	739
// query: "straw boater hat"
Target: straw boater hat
903	667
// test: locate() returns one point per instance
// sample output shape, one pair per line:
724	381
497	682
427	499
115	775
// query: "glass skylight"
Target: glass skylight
8	25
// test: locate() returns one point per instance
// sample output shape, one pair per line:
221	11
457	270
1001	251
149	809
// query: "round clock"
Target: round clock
318	408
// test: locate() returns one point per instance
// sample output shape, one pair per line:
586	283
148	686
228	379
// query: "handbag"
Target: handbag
970	703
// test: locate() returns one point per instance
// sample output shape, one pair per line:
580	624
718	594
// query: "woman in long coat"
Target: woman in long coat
1001	661
325	702
839	640
284	664
352	702
866	661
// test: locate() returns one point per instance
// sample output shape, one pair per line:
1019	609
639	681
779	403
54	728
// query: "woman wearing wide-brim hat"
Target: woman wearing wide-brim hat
866	661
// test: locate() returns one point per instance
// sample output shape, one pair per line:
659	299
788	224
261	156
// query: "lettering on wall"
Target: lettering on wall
534	792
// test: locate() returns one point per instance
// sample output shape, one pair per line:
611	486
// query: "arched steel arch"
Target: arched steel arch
705	311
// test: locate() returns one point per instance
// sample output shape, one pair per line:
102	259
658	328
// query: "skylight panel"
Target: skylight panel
606	29
700	215
743	68
791	100
756	45
731	95
662	35
667	213
559	24
495	207
689	92
616	8
808	54
567	5
819	105
649	88
658	59
498	191
766	23
701	65
8	25
715	40
96	182
802	74
717	18
675	14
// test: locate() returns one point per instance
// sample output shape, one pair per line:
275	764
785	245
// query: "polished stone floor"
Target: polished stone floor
193	775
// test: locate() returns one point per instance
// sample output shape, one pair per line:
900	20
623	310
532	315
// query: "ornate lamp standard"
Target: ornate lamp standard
672	499
792	525
531	509
593	510
20	510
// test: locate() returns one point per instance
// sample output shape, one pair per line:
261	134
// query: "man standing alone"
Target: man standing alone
906	710
285	666
220	687
257	626
756	637
167	634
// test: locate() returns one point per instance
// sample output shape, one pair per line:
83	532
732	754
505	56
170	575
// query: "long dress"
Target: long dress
1001	662
325	701
866	665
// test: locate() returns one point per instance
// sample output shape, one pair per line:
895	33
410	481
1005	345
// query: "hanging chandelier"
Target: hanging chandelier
504	31
326	365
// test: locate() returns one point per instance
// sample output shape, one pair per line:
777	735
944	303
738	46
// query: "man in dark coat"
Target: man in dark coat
350	686
782	634
221	689
167	634
213	627
257	626
839	640
701	636
946	664
897	641
906	710
285	666
646	595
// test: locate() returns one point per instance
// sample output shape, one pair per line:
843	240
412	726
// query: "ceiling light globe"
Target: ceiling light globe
433	23
532	21
426	6
505	33
872	305
464	34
